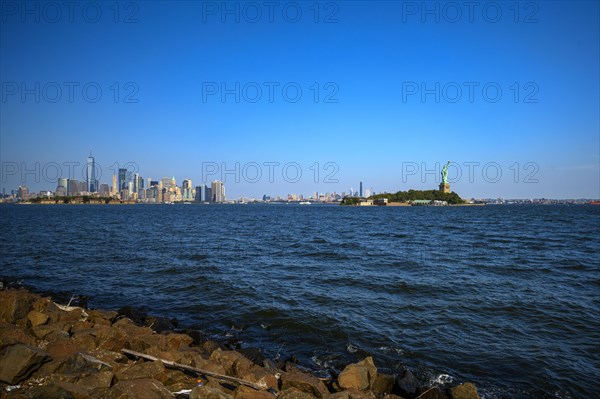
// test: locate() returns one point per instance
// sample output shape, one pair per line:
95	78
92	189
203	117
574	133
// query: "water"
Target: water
507	297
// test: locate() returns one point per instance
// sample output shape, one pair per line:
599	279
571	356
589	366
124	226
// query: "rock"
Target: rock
160	324
254	355
432	393
464	391
15	305
82	363
19	361
145	388
61	349
153	370
303	382
407	384
37	318
101	379
11	334
234	363
358	375
294	393
136	314
383	384
50	391
262	376
102	317
243	392
205	392
176	341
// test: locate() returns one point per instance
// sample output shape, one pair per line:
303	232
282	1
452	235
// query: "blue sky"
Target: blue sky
394	81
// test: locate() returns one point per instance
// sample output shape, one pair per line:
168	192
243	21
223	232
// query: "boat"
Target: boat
305	203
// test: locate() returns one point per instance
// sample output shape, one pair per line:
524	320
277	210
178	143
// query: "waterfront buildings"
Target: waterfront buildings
218	191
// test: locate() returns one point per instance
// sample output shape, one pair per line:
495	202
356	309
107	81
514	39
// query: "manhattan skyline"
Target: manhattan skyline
379	92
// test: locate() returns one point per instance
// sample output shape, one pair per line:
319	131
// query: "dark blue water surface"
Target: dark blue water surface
507	297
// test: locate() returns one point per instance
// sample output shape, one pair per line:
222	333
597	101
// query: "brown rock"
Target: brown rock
464	391
37	318
60	349
50	391
205	392
262	376
83	363
234	363
11	334
303	382
294	393
243	392
392	396
354	393
101	379
145	388
102	317
15	305
358	375
141	370
383	384
19	361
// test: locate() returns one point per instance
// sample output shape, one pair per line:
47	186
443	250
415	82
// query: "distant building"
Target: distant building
113	188
360	190
203	193
23	193
218	191
103	190
62	186
72	187
122	178
91	181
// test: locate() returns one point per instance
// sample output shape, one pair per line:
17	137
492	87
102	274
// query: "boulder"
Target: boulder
358	375
37	318
294	393
243	392
19	361
145	388
204	392
160	324
102	317
407	384
50	391
15	305
11	334
140	370
432	393
383	384
464	391
82	363
304	383
234	363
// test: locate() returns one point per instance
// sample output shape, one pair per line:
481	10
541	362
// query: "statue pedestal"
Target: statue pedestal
445	187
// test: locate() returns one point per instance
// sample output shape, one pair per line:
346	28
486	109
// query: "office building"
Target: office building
217	191
122	178
91	181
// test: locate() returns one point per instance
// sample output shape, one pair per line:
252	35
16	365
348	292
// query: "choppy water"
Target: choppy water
505	296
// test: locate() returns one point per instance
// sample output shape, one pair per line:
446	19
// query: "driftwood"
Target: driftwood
239	381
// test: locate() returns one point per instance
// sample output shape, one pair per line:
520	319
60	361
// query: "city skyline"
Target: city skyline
368	91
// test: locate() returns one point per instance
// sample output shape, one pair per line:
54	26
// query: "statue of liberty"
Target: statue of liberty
445	173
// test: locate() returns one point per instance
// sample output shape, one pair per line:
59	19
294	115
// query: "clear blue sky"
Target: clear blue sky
373	59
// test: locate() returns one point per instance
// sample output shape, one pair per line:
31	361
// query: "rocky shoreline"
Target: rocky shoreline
56	350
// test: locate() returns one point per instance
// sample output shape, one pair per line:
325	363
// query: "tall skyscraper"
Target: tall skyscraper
113	189
217	191
62	186
360	190
91	181
122	178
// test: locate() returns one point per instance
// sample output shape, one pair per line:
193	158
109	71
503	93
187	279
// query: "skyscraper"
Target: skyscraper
91	181
360	190
217	191
122	179
113	189
203	193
